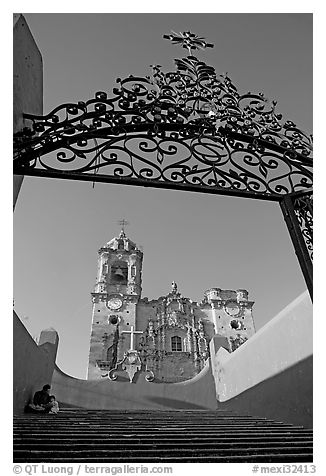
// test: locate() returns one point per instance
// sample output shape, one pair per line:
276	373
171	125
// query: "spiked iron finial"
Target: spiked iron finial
188	40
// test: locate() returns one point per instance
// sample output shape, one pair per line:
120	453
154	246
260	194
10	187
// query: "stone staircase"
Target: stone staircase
103	436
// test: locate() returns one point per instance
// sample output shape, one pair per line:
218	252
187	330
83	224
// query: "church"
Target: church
168	336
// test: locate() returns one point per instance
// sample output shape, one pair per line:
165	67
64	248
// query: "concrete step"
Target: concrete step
256	458
151	432
153	427
174	439
76	435
89	451
139	447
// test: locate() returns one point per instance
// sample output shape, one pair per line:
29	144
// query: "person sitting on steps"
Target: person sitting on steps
41	401
55	405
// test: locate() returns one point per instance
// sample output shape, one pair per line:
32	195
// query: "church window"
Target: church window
120	245
133	271
176	345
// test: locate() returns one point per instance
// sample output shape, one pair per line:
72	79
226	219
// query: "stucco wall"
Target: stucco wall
28	81
197	393
280	353
33	364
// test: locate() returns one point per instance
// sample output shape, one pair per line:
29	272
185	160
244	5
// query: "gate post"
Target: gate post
28	82
297	212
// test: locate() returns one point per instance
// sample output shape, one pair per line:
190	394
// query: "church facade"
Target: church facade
167	337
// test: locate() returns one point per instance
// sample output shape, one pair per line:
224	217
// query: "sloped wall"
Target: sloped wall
197	393
270	375
33	364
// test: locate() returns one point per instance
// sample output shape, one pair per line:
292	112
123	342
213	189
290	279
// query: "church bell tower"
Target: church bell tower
115	297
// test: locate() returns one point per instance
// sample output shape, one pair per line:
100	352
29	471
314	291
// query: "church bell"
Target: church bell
119	274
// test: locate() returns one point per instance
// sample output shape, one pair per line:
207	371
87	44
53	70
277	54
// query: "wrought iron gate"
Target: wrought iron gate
189	129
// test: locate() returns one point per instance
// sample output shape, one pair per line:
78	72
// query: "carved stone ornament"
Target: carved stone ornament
172	320
149	376
131	363
176	320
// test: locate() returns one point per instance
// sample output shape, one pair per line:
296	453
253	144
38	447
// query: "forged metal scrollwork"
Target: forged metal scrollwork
189	128
304	212
297	212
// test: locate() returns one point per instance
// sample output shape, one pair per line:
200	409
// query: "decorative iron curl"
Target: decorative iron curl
303	208
212	161
189	126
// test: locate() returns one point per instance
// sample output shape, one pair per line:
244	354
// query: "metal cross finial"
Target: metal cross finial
123	223
188	40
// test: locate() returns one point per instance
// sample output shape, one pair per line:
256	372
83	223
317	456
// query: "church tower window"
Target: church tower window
176	345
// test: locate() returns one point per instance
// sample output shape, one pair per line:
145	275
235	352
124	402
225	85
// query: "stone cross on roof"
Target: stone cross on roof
132	333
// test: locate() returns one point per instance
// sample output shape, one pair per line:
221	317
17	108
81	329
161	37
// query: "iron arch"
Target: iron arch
187	129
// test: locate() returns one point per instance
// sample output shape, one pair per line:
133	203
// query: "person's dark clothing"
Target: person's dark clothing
41	398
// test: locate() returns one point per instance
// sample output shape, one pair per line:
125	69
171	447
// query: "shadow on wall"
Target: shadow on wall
176	404
286	397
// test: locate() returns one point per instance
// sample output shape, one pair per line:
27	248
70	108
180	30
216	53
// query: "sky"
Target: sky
200	241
